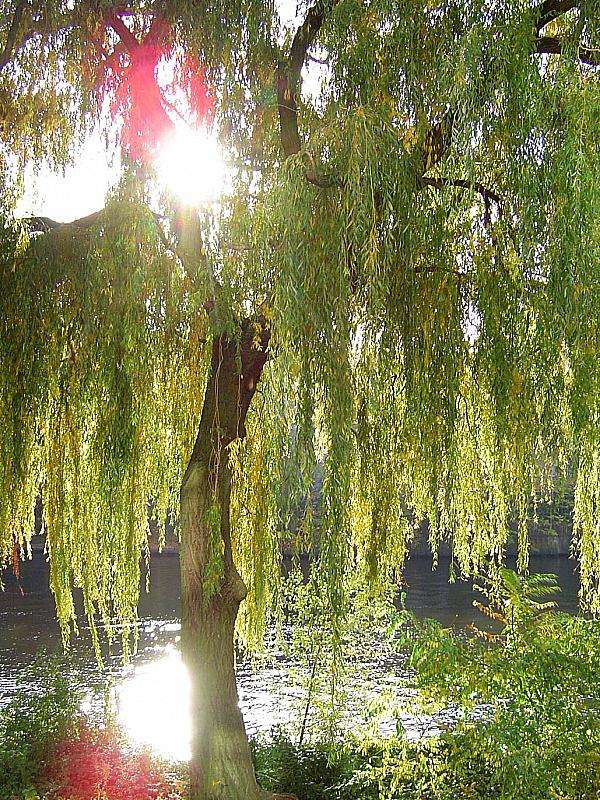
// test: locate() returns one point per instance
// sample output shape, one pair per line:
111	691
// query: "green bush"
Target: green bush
311	772
536	679
44	711
537	675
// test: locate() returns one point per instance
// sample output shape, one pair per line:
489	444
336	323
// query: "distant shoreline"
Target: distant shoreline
558	545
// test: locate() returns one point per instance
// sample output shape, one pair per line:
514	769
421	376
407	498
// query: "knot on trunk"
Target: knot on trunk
236	367
235	587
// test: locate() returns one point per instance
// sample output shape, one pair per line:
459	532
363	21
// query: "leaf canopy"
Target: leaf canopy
428	257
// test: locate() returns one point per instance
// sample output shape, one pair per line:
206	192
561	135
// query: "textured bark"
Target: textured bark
221	765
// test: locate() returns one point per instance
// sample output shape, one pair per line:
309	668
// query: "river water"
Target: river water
150	694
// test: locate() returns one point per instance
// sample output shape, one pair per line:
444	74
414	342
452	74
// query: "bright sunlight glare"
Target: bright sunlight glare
153	706
191	166
153	703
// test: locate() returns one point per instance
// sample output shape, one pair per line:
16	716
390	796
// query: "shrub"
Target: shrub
311	772
43	711
539	677
96	764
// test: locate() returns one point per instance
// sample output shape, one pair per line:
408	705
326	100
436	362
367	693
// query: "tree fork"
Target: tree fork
221	765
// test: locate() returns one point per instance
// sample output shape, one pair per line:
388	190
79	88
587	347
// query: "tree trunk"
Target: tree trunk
211	587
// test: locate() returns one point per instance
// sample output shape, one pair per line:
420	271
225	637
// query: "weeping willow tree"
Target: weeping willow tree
401	285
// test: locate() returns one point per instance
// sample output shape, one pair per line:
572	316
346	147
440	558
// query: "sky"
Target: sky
76	192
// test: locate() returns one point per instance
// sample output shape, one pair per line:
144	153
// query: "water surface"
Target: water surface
151	692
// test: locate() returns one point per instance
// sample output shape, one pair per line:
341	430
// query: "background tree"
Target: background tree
408	261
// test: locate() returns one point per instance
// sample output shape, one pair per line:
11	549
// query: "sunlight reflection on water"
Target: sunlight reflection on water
152	693
153	706
152	702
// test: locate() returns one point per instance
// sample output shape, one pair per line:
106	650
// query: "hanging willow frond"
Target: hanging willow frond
435	338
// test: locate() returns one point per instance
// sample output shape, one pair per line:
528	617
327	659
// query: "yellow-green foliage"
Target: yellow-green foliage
435	347
102	363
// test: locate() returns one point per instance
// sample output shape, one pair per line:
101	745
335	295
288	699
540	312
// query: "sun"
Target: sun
190	166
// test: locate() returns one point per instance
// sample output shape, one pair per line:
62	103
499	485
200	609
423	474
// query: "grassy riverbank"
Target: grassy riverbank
527	698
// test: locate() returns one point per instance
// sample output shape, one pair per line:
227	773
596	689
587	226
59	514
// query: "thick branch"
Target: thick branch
288	79
288	82
45	224
13	31
443	183
554	46
550	10
323	61
122	31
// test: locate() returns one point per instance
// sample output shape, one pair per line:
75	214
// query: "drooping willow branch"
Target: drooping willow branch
187	237
488	195
19	35
438	135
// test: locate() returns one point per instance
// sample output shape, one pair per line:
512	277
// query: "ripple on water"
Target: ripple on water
151	694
